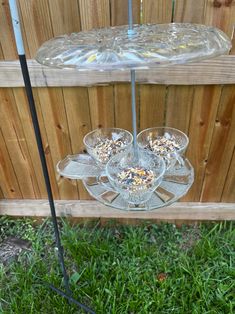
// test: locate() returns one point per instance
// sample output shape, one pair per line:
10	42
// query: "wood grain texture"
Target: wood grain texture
65	17
101	106
16	144
94	13
229	187
94	210
8	180
220	13
25	118
1	52
219	70
152	105
79	123
189	11
56	125
178	107
157	11
37	22
222	147
119	12
6	32
204	109
123	113
46	146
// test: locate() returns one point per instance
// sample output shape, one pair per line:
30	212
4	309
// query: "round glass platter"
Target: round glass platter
175	184
108	49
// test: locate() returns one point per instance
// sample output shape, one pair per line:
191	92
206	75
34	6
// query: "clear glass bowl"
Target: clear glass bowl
102	144
138	189
151	44
168	143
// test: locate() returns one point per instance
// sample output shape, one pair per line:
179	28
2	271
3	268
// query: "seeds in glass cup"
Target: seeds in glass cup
105	148
134	177
164	146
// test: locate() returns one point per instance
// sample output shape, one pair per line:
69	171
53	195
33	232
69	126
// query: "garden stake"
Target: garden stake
28	88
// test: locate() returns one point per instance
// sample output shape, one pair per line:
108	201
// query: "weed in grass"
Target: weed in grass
124	270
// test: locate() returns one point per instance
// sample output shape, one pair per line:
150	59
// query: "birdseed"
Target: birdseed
164	146
106	148
135	177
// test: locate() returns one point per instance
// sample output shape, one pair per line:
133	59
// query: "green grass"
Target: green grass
126	269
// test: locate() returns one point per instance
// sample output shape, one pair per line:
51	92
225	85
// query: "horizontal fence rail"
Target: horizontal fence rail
219	70
88	210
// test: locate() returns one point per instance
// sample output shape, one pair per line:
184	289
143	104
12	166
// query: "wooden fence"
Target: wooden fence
67	112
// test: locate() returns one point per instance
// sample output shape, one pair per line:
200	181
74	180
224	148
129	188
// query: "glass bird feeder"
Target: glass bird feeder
132	48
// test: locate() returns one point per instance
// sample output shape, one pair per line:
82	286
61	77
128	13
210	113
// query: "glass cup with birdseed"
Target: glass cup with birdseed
168	143
135	177
104	143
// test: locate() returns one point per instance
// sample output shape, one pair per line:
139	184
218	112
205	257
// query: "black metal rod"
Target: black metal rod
60	292
33	112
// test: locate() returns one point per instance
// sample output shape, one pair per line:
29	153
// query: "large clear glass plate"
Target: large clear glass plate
113	49
175	185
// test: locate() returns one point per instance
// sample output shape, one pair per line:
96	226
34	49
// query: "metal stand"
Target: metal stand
28	88
133	101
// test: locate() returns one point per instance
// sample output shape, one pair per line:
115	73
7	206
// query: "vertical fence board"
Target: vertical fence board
96	14
6	35
101	106
54	115
46	147
8	180
16	144
36	22
51	100
157	11
65	17
119	12
152	105
189	11
220	14
178	110
24	115
204	109
222	147
78	115
229	188
1	52
153	97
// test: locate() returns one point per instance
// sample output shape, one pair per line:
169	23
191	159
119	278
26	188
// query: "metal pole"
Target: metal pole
133	106
130	18
133	100
28	88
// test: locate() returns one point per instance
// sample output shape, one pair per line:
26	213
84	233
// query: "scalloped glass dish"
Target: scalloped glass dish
113	49
78	166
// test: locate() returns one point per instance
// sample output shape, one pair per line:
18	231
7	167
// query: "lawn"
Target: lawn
122	269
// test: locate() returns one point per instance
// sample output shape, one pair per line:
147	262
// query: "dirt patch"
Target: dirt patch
11	247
